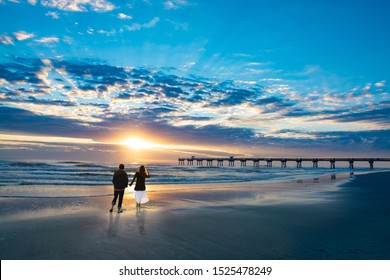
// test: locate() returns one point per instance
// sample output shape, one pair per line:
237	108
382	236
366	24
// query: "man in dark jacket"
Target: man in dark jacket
120	181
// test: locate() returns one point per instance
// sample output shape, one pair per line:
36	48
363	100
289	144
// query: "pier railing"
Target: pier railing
283	161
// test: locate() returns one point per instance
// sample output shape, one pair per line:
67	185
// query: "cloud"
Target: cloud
124	16
6	40
79	5
331	142
53	15
233	97
97	100
175	4
112	32
137	26
47	40
380	84
178	25
23	35
32	99
374	139
91	74
377	115
21	71
151	23
25	121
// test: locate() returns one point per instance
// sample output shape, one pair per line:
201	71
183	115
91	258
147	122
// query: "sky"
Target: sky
145	80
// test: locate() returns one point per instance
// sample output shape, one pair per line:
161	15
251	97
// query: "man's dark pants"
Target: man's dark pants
116	194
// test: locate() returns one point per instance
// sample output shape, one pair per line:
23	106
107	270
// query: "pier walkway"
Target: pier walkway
283	161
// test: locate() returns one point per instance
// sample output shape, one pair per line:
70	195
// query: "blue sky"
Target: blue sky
262	78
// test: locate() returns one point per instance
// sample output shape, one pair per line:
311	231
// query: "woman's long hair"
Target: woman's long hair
143	171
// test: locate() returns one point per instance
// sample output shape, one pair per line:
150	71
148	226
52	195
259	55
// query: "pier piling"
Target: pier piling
283	161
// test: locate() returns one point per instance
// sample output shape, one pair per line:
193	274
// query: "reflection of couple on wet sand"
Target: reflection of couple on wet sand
113	225
120	181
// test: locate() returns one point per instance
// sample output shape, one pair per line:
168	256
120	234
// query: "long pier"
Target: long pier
283	161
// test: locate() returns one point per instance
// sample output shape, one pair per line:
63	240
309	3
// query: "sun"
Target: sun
138	143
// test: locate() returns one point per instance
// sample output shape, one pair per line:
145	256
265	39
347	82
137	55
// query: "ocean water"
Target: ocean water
86	179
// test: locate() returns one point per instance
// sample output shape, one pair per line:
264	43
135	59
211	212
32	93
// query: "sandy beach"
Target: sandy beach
312	218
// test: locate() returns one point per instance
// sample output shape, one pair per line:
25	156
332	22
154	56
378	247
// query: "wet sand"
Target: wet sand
312	218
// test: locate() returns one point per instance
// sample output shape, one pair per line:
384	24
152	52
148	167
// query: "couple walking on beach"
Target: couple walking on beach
121	181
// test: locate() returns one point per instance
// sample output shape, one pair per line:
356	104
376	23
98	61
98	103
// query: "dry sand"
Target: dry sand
305	219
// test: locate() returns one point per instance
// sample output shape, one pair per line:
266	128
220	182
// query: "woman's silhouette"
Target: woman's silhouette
140	189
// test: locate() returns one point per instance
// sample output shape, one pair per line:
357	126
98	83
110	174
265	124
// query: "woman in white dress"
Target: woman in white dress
140	189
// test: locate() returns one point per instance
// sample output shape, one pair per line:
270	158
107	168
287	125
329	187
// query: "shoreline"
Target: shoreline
316	218
167	187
